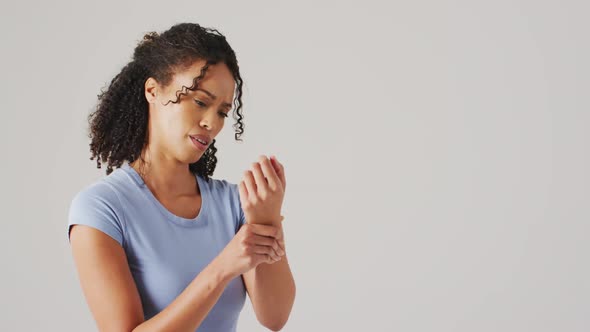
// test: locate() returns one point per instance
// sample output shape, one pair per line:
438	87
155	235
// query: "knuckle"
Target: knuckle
244	240
245	247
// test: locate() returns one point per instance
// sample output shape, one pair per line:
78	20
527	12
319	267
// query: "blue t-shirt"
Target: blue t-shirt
165	251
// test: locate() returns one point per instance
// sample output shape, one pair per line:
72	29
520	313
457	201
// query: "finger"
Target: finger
281	171
262	258
273	259
265	230
269	173
243	191
267	250
281	239
280	228
261	183
282	246
269	242
274	164
250	185
262	240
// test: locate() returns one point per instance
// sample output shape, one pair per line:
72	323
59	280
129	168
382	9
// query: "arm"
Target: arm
112	295
271	289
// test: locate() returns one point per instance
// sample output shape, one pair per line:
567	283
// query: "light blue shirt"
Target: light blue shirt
165	251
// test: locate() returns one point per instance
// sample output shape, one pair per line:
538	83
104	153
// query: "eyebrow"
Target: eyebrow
212	96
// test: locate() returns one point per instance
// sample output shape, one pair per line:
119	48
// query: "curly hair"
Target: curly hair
118	127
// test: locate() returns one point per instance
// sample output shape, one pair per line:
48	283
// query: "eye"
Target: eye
200	103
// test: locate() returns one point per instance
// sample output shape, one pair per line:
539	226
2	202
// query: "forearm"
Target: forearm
189	309
272	290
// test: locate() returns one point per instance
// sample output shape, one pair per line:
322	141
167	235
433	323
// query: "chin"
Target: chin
195	157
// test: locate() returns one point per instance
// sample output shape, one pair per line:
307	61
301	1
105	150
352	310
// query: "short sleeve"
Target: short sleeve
241	219
97	206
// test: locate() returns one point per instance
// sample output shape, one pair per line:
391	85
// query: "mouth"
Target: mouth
199	143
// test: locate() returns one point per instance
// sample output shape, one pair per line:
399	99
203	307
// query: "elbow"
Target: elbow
277	323
275	326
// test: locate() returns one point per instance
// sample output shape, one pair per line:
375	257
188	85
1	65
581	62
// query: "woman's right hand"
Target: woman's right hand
253	244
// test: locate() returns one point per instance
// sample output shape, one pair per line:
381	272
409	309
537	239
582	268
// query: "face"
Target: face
172	127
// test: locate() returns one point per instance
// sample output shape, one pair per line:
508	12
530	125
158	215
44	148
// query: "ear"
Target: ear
151	87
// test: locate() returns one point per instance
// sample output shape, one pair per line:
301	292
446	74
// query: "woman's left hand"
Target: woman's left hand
262	190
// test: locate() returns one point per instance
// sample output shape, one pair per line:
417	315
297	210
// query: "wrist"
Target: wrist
275	221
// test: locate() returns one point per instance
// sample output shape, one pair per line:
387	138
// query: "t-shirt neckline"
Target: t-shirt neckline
199	220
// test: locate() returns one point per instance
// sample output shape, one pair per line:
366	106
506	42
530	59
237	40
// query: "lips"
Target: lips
196	139
204	138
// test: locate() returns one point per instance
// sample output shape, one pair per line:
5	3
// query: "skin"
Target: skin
257	251
169	149
270	286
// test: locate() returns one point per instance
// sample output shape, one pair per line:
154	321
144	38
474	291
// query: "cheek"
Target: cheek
174	128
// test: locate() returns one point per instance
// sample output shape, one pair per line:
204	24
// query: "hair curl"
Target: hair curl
118	126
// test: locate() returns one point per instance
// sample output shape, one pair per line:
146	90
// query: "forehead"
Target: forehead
218	80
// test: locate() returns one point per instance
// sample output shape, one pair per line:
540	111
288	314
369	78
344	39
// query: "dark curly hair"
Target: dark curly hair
118	126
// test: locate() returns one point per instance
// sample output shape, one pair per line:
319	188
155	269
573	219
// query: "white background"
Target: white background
436	153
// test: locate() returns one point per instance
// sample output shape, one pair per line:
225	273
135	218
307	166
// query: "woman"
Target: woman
158	244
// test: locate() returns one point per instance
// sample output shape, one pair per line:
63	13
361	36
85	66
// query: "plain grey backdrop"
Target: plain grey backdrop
436	154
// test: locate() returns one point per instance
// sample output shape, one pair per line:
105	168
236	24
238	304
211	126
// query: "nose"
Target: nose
204	123
208	120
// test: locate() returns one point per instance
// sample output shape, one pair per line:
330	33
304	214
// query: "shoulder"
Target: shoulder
98	205
98	193
106	192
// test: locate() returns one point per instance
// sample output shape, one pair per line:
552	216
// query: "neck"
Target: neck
165	175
